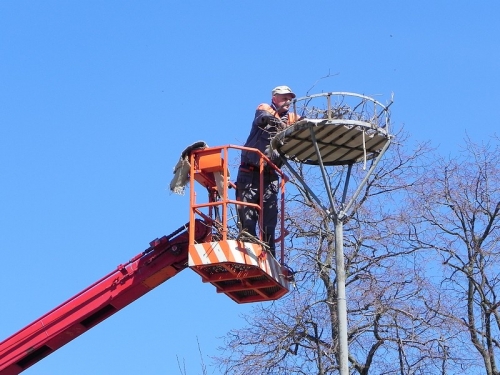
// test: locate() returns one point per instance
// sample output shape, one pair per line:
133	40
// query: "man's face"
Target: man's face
282	102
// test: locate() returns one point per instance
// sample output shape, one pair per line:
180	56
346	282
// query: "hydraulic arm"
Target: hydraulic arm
163	259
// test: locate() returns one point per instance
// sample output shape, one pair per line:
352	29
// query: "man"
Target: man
269	119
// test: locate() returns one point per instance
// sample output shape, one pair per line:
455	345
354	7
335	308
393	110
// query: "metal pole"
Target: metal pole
337	218
339	269
341	298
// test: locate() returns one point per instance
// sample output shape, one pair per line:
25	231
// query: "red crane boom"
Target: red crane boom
163	259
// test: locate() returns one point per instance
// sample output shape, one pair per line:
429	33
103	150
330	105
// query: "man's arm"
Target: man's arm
265	116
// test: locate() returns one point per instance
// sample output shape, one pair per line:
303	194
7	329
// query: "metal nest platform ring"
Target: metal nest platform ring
338	134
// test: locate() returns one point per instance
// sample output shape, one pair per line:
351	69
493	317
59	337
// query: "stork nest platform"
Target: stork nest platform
339	141
337	128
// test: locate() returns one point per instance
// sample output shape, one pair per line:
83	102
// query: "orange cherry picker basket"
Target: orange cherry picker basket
236	265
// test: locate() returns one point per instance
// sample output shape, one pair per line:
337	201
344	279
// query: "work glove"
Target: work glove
274	156
271	120
275	122
267	120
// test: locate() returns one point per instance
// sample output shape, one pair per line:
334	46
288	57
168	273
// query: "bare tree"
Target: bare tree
391	330
457	215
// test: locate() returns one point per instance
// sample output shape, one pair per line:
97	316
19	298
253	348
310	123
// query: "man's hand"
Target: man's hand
268	120
276	122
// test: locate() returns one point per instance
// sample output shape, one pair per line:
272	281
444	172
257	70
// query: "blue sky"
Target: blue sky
98	99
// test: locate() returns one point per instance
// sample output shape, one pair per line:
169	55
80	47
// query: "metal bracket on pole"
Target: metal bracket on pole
344	211
305	187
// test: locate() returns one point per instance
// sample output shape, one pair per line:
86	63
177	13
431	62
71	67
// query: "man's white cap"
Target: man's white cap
282	90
